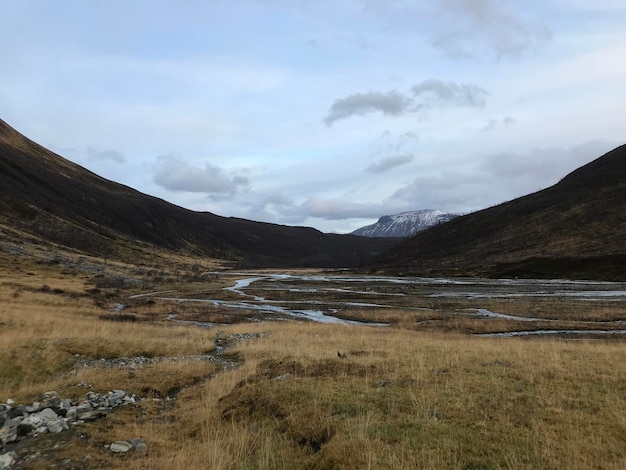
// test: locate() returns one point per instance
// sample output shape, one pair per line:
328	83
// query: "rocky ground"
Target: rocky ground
36	430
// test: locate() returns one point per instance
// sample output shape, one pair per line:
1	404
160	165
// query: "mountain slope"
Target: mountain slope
404	224
48	197
576	228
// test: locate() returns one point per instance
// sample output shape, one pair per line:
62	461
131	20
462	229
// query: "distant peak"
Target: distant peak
404	224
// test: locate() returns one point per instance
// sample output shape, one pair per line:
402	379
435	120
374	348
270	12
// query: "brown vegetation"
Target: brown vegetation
307	395
575	229
49	200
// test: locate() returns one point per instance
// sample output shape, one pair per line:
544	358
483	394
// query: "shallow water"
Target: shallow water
396	291
512	334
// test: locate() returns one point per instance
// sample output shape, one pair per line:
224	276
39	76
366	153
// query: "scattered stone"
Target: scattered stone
34	408
116	398
120	446
8	431
53	414
47	414
7	460
139	444
16	411
51	396
57	425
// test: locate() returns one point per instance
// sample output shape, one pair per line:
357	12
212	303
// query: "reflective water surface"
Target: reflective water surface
321	297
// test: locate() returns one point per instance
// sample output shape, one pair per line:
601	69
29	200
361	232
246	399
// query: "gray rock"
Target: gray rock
139	444
51	400
129	400
91	415
7	460
33	420
50	396
83	408
16	411
64	406
8	432
71	414
115	398
121	446
57	425
34	408
47	414
53	414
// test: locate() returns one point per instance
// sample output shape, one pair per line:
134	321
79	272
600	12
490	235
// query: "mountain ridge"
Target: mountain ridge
404	224
576	228
47	196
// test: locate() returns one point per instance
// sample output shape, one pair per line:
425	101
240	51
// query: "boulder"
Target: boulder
121	446
47	414
55	426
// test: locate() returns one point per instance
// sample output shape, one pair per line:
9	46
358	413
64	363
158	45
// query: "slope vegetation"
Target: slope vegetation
45	196
574	229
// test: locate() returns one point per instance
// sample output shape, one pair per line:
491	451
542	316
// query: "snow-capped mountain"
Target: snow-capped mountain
405	224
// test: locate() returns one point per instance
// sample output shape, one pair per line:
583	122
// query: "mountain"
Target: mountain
575	229
51	201
404	224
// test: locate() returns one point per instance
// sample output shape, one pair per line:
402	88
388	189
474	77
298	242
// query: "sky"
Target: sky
322	113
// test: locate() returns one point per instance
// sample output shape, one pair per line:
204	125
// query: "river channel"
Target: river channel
326	298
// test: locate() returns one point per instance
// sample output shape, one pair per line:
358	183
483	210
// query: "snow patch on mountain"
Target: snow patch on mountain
405	224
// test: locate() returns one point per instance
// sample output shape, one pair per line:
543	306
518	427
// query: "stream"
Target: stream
392	287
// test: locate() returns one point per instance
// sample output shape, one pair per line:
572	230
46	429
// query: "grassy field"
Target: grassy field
401	397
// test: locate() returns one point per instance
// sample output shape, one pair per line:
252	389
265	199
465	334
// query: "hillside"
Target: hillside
574	229
45	196
404	224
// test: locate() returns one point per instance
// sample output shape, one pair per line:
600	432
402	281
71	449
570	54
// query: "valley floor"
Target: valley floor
231	373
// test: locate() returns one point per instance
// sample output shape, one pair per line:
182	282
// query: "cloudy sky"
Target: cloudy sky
325	113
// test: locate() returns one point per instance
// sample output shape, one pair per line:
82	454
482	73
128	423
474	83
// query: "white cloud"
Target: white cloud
172	172
439	93
495	178
466	25
241	86
425	95
391	104
389	163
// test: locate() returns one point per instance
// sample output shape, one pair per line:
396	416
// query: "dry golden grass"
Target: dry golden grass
399	399
43	332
